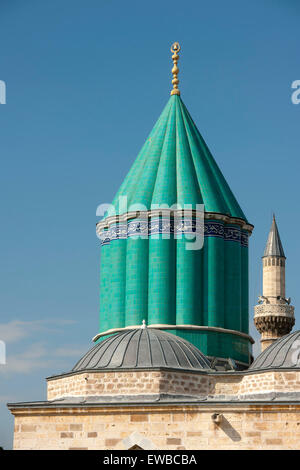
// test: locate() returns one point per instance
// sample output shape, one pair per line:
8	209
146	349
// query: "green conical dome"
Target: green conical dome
198	294
176	166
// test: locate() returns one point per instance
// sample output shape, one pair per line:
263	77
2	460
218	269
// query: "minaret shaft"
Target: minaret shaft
273	277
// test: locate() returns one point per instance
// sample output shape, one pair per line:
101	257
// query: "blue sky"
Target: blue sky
85	83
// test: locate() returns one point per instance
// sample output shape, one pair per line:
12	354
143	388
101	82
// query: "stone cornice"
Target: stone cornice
108	221
177	327
48	408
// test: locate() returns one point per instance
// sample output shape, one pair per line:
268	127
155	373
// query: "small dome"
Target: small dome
143	348
284	353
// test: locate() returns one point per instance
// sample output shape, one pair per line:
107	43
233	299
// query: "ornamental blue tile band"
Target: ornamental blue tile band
213	229
188	225
138	227
232	234
244	239
172	226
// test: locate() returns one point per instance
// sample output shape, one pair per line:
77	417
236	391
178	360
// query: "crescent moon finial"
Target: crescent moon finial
175	48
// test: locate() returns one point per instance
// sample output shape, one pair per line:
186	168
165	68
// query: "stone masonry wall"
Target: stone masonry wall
129	383
169	427
153	382
272	381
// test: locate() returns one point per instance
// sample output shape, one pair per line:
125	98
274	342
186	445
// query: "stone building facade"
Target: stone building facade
164	405
171	427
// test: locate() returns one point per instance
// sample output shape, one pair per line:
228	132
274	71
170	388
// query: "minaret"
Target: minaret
274	316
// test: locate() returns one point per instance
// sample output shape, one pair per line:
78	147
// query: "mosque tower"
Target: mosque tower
274	316
200	295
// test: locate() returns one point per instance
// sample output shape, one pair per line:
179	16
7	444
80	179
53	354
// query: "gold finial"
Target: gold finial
175	48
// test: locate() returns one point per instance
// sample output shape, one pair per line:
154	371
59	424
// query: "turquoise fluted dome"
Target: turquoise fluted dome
200	295
175	165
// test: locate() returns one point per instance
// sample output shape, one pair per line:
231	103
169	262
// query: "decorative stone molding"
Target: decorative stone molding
273	321
105	223
276	326
278	310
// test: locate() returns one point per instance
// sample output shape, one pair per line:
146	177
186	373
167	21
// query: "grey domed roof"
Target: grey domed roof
283	353
143	348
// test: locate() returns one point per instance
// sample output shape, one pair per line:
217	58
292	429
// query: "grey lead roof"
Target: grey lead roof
143	348
274	245
161	399
283	353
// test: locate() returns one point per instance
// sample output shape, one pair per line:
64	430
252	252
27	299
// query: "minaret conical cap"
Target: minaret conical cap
274	245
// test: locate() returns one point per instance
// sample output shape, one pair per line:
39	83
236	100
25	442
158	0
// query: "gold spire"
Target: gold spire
175	48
